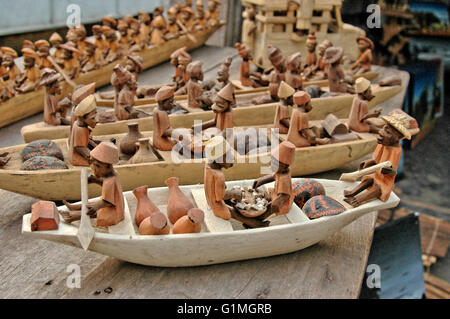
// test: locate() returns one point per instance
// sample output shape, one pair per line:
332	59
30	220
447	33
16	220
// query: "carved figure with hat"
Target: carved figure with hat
213	12
93	58
124	108
109	208
246	56
56	40
114	51
281	121
379	185
100	41
365	58
201	22
162	130
10	70
294	71
336	77
134	65
53	111
173	30
43	51
159	28
28	80
71	64
196	96
109	21
145	27
300	133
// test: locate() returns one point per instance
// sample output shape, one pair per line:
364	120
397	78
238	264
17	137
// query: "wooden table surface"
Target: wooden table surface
333	268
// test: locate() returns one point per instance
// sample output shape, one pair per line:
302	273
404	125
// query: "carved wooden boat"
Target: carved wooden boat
25	105
286	234
65	184
239	90
243	116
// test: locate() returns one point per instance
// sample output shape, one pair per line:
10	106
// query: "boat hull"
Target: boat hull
208	248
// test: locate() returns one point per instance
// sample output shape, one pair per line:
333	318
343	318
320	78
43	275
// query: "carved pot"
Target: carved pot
179	204
156	224
144	153
190	223
128	143
145	207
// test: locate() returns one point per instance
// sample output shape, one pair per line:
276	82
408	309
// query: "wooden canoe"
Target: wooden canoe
239	89
25	105
65	184
219	241
243	116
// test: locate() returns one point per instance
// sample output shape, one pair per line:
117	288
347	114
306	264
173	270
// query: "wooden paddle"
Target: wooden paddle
85	231
352	177
61	71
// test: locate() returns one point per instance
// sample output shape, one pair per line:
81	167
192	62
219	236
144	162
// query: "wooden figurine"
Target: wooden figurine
196	98
246	56
300	134
124	41
109	208
145	27
213	12
80	141
93	58
124	109
190	223
294	71
173	30
109	21
134	65
137	41
311	58
159	29
365	58
113	53
282	195
162	131
223	75
100	42
78	95
201	22
10	70
249	27
359	113
319	70
219	156
336	77
56	40
281	121
70	60
81	33
43	51
53	111
188	18
379	185
178	204
28	44
180	59
28	80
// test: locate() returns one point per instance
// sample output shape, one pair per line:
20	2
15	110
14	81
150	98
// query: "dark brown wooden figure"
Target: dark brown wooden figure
281	121
294	71
223	76
249	26
93	58
173	30
188	18
71	65
124	109
213	12
246	56
137	42
56	40
320	70
113	52
336	76
80	141
300	134
159	29
381	183
201	22
134	65
100	42
145	27
124	41
109	208
359	119
53	111
219	156
9	73
196	97
81	33
162	131
190	223
29	79
43	51
180	59
311	58
365	58
78	95
282	195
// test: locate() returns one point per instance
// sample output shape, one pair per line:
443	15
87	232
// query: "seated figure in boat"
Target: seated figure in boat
70	60
294	71
100	42
173	30
196	96
365	58
213	12
114	51
56	40
109	21
43	52
162	132
124	109
109	208
246	56
380	184
80	140
338	83
282	195
124	41
300	133
320	71
159	29
93	58
311	58
360	120
54	112
134	65
188	18
201	22
28	80
275	77
9	73
145	27
281	121
137	42
81	33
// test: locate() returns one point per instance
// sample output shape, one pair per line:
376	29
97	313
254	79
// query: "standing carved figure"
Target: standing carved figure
249	27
